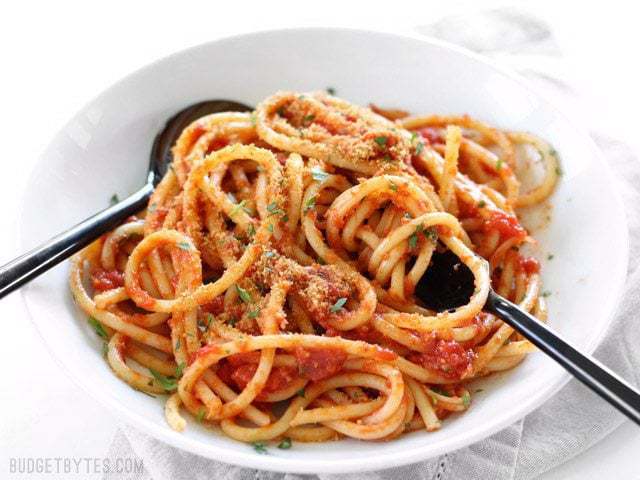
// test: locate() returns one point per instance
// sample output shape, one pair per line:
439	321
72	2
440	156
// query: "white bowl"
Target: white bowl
104	149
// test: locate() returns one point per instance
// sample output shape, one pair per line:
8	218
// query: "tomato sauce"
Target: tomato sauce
529	265
103	280
507	225
240	374
215	306
446	357
317	364
216	144
430	134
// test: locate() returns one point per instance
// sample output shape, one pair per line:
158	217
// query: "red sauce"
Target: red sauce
282	157
446	357
103	280
530	265
319	363
279	378
507	225
244	358
430	134
216	306
216	144
207	350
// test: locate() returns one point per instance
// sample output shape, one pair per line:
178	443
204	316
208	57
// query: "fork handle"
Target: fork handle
587	369
28	266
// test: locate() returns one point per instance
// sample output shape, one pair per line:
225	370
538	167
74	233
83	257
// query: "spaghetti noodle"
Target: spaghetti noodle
269	286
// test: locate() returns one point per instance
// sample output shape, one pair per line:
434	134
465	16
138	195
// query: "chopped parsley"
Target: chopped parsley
105	349
393	186
466	399
184	246
499	164
336	307
413	240
331	90
545	294
550	256
322	261
280	111
168	383
114	199
251	230
381	141
419	148
439	391
253	119
97	326
318	174
180	369
300	393
254	313
285	444
177	345
269	254
244	295
274	209
259	447
558	171
309	204
200	416
431	234
270	227
309	118
482	204
240	206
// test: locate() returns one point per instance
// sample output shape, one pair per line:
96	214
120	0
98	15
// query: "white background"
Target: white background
55	56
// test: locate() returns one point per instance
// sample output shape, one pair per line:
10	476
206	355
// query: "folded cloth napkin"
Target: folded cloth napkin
571	421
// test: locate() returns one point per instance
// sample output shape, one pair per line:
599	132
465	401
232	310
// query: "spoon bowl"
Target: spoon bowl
28	266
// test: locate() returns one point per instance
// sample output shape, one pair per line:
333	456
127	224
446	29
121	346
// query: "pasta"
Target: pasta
269	287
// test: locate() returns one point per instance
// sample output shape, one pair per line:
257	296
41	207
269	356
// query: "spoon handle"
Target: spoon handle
28	266
585	368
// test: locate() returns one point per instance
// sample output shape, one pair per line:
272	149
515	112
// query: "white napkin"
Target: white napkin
570	422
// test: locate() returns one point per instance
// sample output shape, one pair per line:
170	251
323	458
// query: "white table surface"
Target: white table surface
57	55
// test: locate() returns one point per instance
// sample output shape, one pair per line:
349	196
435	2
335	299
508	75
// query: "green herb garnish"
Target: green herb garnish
499	164
331	90
466	399
259	447
482	204
381	141
336	307
285	444
200	416
114	199
180	368
309	204
274	209
318	174
97	326
393	186
168	383
184	246
244	295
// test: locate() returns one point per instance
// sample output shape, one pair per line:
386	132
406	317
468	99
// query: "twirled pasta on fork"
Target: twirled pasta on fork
269	286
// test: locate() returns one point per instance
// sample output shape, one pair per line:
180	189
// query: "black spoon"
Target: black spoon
28	266
448	283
